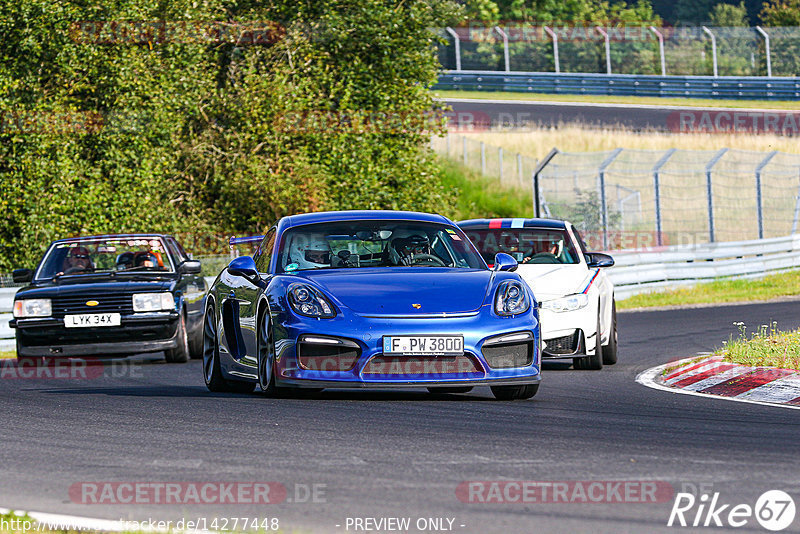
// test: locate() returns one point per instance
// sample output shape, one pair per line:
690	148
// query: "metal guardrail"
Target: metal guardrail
638	272
761	88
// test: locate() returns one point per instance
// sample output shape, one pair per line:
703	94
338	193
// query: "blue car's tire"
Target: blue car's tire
505	393
266	355
211	369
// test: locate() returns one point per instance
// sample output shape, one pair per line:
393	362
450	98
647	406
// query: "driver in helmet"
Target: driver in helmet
313	253
405	249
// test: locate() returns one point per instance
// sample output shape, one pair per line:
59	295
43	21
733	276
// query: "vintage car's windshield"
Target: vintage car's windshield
361	244
526	245
111	254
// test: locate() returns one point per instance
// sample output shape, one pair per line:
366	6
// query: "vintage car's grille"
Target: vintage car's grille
563	345
327	357
508	355
417	366
116	303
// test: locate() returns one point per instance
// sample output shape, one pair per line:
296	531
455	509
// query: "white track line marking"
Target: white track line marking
648	378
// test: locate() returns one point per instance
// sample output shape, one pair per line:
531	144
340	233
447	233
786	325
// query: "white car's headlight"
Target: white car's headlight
25	308
511	299
567	304
146	302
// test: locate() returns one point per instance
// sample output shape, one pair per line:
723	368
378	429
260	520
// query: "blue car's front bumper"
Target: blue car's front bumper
347	351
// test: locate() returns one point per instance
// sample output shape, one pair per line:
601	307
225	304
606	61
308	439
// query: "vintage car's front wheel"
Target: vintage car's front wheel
506	393
179	354
211	369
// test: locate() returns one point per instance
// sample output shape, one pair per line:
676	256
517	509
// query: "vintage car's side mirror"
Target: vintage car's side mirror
21	276
598	259
505	262
190	267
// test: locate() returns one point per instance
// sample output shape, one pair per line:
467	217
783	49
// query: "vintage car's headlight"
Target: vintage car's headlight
511	299
307	301
25	308
147	302
566	304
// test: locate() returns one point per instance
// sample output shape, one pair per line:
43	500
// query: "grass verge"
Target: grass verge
8	354
479	196
610	99
720	291
765	347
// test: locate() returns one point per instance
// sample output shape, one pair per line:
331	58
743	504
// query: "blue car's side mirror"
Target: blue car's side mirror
504	262
243	266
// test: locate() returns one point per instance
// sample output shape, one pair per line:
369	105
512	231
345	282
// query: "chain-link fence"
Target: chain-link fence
509	168
631	49
653	197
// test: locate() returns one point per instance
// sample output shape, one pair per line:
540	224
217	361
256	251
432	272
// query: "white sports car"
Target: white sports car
575	295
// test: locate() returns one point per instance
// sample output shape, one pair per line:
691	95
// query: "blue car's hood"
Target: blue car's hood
394	291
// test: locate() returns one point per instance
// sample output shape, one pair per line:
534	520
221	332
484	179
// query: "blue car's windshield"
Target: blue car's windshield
361	244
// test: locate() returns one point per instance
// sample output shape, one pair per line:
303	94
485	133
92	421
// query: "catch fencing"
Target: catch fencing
626	198
622	49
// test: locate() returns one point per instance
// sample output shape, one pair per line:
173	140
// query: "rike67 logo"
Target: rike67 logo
774	510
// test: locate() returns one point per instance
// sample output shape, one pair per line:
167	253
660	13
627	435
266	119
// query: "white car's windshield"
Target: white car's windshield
526	245
112	254
361	244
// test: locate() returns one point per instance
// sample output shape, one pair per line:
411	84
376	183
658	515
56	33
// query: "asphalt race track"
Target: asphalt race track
402	454
520	113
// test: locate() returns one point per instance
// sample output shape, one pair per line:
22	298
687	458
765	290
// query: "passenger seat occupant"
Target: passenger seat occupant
145	259
124	261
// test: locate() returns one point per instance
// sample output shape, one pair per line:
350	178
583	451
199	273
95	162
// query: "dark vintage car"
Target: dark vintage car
111	295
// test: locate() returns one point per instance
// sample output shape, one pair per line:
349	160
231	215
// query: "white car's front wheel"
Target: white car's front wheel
592	362
610	350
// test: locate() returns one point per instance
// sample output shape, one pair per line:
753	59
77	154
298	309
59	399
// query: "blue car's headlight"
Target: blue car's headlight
511	299
307	301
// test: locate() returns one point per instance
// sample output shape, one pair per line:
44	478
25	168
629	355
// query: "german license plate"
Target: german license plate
90	320
423	345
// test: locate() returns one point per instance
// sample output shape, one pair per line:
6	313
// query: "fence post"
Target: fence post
553	35
537	207
603	203
796	211
500	162
660	49
710	194
519	168
608	48
464	149
447	144
766	49
713	49
657	191
457	42
759	199
483	157
505	47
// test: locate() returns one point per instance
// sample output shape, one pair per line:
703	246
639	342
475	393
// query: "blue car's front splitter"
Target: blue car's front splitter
347	352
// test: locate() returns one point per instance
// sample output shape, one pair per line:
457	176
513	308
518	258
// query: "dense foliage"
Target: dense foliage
174	126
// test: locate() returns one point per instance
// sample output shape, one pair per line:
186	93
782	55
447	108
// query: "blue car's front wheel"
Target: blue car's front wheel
266	355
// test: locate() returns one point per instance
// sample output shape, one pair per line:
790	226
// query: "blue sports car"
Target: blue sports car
370	299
